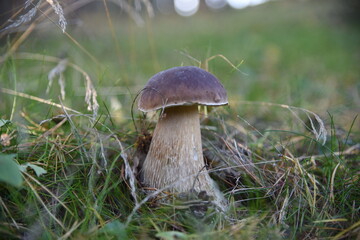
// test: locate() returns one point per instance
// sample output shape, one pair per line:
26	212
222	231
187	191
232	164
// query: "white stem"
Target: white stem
175	156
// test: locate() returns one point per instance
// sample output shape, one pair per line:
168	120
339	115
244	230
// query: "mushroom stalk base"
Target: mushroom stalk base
175	159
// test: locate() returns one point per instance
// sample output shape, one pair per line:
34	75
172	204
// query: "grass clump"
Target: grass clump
88	189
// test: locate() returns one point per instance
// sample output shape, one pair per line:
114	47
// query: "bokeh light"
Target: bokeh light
239	4
257	2
186	7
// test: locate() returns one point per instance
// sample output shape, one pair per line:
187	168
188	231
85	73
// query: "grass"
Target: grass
285	176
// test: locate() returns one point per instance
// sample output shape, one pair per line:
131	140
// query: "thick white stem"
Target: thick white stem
175	156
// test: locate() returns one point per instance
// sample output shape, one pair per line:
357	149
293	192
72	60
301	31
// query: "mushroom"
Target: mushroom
175	158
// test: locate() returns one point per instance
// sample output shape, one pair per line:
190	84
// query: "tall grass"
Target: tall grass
287	171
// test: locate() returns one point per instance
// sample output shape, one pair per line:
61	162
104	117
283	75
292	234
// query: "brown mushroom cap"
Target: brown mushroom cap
182	86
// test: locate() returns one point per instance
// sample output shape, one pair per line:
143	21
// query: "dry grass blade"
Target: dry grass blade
9	214
90	94
112	30
149	8
28	3
331	220
353	150
48	191
47	133
190	57
128	171
206	67
315	183
31	28
59	11
75	226
24	95
332	198
25	18
319	132
241	161
58	70
284	206
44	205
17	43
342	233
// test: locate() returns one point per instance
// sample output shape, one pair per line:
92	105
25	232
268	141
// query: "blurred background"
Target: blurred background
296	52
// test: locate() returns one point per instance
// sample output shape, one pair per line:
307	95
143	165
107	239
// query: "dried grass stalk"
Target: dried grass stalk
30	14
59	11
58	71
25	18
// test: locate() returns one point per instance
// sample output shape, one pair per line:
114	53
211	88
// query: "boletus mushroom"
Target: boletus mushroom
175	157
